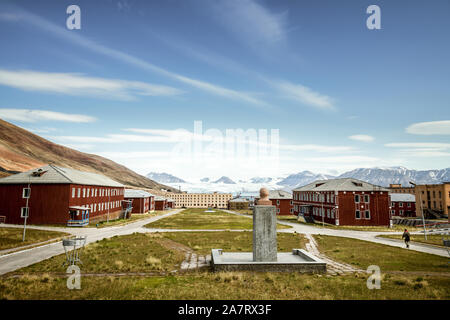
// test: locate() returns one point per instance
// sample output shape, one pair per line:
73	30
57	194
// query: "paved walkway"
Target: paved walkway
24	258
371	236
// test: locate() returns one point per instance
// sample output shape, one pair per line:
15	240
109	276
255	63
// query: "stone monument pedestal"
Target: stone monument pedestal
264	233
265	256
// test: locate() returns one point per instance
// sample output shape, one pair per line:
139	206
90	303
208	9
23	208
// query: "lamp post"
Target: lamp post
421	209
322	213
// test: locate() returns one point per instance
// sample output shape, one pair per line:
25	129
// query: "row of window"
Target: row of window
366	214
364	197
324	197
400	204
321	211
93	192
102	206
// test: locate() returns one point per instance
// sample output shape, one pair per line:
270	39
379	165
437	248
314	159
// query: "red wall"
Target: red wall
346	212
49	203
140	205
284	205
160	205
407	211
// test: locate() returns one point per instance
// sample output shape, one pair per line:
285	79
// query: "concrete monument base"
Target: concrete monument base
297	261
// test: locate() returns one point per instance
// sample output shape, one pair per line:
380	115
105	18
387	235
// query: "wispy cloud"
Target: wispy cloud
84	42
304	95
430	128
28	115
250	21
362	137
421	149
79	84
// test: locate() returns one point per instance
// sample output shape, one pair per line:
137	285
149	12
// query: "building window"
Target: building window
24	212
26	193
79	192
367	214
393	212
73	192
400	204
401	212
358	214
409	204
84	192
357	198
366	198
88	192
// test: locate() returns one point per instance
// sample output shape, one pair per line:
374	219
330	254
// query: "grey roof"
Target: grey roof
403	197
135	193
159	198
279	194
53	174
342	184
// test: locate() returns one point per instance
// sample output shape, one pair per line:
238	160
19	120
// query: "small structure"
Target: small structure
238	204
403	205
265	256
170	203
141	200
160	203
78	216
73	248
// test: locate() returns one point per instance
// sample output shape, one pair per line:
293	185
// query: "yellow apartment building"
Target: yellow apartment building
434	197
200	200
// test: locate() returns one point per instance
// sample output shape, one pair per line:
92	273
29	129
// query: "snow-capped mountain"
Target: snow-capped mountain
224	180
386	176
164	177
377	176
302	178
261	180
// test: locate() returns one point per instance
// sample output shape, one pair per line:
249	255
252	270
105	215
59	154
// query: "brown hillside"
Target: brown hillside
21	150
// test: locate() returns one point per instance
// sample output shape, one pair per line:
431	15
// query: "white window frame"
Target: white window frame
357	196
22	211
23	193
357	211
73	192
79	192
365	216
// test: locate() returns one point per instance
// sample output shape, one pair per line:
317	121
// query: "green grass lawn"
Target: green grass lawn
229	241
395	228
233	285
159	252
363	253
12	237
136	252
195	219
431	238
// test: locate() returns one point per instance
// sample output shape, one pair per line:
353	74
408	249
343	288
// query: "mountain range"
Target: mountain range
378	176
22	150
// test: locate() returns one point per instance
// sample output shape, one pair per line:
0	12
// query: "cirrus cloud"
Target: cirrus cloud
430	128
28	115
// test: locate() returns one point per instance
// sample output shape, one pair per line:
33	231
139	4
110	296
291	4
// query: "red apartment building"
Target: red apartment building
282	200
344	201
170	203
141	201
403	205
55	195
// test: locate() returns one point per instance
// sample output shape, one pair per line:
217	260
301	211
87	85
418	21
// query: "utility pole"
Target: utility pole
421	209
27	212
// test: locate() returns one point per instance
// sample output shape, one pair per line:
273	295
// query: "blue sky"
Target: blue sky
340	96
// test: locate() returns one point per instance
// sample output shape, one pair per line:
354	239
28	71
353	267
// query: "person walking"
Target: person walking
406	237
